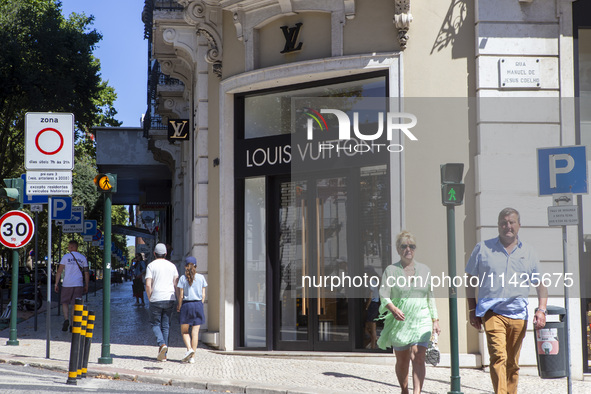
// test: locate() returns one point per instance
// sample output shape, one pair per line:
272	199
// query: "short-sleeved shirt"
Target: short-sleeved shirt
163	274
504	278
72	273
192	292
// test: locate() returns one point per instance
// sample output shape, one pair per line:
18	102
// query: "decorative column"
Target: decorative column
402	19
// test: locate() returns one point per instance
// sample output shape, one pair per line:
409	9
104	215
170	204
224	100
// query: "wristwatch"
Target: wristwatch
541	310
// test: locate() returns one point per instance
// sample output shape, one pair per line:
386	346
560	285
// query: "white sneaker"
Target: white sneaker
162	353
188	355
192	360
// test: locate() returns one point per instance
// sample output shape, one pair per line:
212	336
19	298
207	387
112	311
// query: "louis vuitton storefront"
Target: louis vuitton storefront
306	209
272	194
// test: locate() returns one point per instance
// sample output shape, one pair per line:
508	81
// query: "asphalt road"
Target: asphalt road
26	379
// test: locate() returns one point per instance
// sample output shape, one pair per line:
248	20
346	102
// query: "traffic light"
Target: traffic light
106	183
452	188
13	192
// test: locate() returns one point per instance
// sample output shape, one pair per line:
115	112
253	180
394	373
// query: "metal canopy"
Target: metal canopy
140	178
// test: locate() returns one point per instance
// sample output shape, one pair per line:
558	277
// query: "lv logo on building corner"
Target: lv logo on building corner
178	129
291	38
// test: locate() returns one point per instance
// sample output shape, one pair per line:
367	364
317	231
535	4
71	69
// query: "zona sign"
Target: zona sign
16	229
49	141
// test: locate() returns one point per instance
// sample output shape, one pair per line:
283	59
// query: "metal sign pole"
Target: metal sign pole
566	302
49	282
36	251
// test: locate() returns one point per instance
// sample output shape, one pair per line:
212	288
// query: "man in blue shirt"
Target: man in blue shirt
505	268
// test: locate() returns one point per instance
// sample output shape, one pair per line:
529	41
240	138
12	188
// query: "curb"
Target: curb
220	386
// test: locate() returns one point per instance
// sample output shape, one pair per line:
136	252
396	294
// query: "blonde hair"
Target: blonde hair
404	235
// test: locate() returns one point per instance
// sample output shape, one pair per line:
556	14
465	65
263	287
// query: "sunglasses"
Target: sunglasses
404	246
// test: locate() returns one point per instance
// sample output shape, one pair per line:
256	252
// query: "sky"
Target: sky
123	52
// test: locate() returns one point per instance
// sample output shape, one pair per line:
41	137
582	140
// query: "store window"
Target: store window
295	226
270	114
255	257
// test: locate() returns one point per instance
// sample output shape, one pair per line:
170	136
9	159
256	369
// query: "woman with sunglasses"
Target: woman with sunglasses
409	312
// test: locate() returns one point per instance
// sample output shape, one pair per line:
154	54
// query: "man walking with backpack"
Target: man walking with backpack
75	268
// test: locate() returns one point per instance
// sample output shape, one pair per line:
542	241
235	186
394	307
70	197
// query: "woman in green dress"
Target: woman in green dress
409	312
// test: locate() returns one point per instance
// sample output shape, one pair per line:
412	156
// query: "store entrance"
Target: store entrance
325	226
313	229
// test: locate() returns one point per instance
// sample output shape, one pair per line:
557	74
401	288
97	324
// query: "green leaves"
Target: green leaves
46	64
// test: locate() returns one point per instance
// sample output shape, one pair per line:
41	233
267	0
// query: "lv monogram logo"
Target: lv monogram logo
177	129
291	38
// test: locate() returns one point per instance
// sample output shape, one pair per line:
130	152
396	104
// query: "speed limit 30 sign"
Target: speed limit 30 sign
16	229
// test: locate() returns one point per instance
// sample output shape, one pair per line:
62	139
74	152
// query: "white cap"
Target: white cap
160	249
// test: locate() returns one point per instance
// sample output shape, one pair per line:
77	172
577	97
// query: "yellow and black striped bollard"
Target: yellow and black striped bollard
89	330
75	345
82	342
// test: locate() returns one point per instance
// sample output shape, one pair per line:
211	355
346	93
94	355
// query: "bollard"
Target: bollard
75	346
82	342
89	330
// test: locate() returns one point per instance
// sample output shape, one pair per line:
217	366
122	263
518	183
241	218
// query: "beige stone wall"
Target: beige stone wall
314	35
213	206
438	73
233	55
372	29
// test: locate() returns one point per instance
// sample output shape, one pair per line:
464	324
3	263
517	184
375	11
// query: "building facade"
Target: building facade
480	83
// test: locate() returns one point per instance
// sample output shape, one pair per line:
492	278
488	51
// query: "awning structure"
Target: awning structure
132	231
141	180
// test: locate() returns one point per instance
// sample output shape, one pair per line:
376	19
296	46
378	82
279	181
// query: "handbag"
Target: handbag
433	355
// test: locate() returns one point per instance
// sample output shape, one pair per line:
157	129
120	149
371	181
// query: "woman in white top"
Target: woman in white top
191	288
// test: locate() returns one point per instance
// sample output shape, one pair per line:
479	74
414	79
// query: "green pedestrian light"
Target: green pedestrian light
452	193
452	188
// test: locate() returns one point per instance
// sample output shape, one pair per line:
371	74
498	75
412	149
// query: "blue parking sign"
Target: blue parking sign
34	199
61	208
562	169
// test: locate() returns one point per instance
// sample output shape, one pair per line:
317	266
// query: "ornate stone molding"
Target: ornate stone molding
247	15
402	19
207	18
165	152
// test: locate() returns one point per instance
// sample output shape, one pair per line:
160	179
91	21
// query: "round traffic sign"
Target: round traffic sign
16	229
47	144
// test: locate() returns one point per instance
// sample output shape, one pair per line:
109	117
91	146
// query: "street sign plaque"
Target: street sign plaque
564	215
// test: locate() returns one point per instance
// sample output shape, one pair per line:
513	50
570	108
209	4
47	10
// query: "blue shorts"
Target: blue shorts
192	313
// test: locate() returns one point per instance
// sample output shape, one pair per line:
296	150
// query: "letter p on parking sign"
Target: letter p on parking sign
562	169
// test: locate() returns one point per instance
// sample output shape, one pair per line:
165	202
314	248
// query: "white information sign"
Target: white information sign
76	222
64	189
36	208
565	215
519	72
49	176
49	141
59	181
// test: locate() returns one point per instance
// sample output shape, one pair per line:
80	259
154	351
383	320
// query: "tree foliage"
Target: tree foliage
46	64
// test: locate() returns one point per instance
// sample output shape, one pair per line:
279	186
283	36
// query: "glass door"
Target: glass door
312	245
